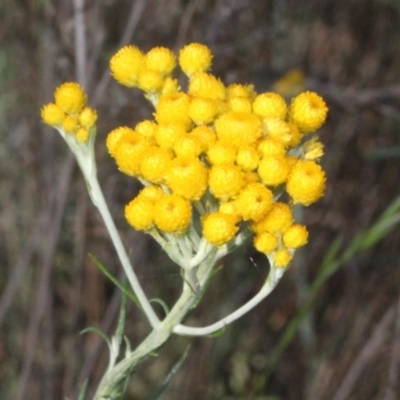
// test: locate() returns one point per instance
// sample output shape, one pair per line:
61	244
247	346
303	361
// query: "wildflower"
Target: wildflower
265	242
187	177
126	65
253	201
150	81
70	97
172	213
88	117
166	135
206	85
139	213
205	136
225	181
247	158
273	170
118	134
161	60
153	166
277	220
173	109
52	114
219	154
238	129
308	111
295	236
129	154
282	258
270	105
306	182
195	58
219	228
202	110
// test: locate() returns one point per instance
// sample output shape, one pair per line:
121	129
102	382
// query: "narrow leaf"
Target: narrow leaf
116	282
171	374
99	332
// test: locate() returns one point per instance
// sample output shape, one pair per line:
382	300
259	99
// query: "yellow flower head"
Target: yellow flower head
152	192
230	208
247	158
219	228
166	135
172	213
225	181
147	129
187	177
282	258
277	220
150	81
239	104
170	86
308	111
70	124
313	149
174	109
238	129
129	154
219	154
127	64
70	97
52	115
265	242
154	165
273	170
188	146
278	129
161	59
295	134
206	85
271	147
236	90
88	117
205	136
306	182
253	201
139	213
82	134
296	236
194	58
202	110
270	105
121	133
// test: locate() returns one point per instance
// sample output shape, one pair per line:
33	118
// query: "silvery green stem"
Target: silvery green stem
84	154
158	336
272	280
97	197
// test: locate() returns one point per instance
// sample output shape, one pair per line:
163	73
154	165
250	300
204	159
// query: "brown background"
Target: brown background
347	346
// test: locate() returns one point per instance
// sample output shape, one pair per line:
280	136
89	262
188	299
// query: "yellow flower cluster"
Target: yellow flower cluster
69	112
226	151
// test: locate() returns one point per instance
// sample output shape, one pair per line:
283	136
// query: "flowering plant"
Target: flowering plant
219	165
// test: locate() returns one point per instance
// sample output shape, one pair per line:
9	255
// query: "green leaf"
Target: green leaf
124	288
99	332
83	392
162	303
171	374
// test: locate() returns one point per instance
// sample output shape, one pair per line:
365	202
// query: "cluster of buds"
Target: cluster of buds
69	113
216	161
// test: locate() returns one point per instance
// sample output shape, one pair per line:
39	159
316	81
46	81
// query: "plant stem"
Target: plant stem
158	336
97	197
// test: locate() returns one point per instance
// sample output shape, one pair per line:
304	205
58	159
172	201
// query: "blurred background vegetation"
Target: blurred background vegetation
344	344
